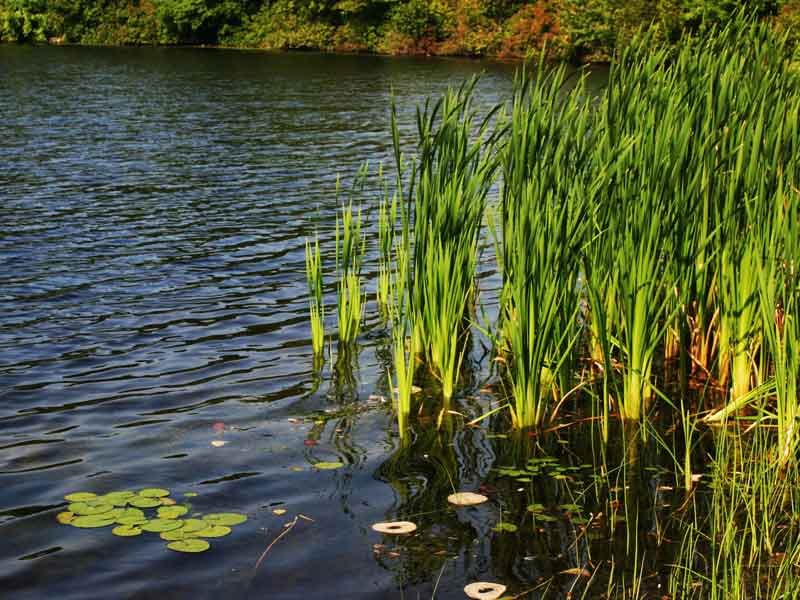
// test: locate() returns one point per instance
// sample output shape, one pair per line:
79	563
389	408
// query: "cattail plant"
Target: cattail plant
316	304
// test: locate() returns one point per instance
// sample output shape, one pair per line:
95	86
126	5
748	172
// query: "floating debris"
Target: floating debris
395	527
218	443
482	590
466	499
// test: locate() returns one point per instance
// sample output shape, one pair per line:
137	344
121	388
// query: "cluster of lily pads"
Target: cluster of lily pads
547	466
125	511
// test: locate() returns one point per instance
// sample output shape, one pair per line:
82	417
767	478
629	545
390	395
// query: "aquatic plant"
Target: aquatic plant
350	246
314	277
124	510
451	178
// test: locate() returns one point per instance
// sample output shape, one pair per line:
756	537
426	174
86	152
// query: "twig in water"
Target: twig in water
287	529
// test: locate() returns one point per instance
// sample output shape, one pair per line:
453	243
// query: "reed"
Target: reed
450	180
314	278
350	247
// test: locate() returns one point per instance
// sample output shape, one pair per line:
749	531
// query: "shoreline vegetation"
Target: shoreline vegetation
580	31
648	242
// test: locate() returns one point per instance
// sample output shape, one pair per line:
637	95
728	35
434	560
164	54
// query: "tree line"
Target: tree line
581	30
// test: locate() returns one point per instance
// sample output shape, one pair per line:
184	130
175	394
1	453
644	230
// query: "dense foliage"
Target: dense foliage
576	29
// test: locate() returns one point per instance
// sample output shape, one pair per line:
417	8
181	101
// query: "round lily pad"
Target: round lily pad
126	531
227	519
466	499
86	509
65	517
189	545
159	525
501	527
174	535
91	521
395	527
117	498
172	512
328	465
153	492
143	502
166	501
211	531
80	497
192	525
482	590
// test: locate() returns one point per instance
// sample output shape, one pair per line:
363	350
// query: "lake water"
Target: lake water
154	205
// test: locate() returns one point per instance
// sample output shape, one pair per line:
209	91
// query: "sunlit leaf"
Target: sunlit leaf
65	517
227	519
211	531
142	502
91	521
86	509
189	545
159	525
153	493
80	497
172	512
328	465
126	531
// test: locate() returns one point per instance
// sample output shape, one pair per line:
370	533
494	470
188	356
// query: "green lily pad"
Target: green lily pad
211	531
131	516
227	519
117	498
192	525
328	465
153	493
189	545
91	521
545	518
190	494
509	527
143	502
570	507
80	497
172	512
126	531
65	518
86	509
174	535
159	525
535	508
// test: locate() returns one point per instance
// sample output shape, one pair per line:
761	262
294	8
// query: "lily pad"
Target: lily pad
126	530
211	531
117	498
143	502
535	508
168	501
86	509
172	512
91	521
505	527
192	525
227	519
65	517
190	494
189	545
153	493
482	590
159	525
395	527
328	465
80	497
466	499
174	535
